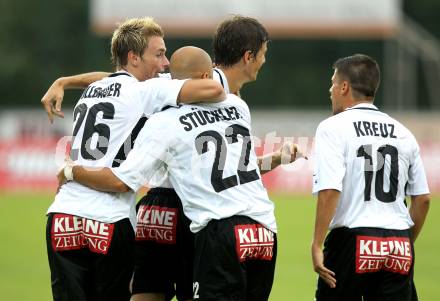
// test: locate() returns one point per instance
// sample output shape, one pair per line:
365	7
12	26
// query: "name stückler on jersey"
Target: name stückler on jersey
99	92
368	128
201	117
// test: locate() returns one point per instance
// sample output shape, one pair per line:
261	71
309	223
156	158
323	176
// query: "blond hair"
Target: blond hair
132	35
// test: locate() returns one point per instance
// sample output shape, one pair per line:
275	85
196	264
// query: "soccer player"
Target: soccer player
209	155
366	164
89	233
240	44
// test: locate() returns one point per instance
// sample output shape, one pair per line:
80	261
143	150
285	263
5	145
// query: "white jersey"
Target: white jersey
107	119
210	159
374	161
161	177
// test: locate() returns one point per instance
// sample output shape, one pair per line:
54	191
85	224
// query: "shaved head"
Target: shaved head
190	62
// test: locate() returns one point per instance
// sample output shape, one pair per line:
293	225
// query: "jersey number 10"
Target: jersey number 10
365	151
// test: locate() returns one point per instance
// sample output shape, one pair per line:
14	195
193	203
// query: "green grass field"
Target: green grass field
24	272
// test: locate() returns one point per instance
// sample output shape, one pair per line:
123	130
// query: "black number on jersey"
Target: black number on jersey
90	128
231	133
365	151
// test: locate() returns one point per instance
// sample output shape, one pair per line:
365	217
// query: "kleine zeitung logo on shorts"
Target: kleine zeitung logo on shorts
391	254
156	223
73	233
254	242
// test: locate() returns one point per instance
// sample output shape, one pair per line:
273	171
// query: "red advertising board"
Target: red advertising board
29	163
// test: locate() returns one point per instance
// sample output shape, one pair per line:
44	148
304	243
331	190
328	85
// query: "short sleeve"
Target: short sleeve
147	156
329	163
158	93
417	183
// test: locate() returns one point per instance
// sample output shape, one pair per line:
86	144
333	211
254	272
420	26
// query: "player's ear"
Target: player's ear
205	75
133	58
248	56
345	87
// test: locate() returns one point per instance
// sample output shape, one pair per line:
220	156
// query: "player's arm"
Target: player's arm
325	210
287	153
418	210
197	90
148	154
53	97
101	179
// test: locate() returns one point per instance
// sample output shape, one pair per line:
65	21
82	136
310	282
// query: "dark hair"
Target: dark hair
361	71
235	36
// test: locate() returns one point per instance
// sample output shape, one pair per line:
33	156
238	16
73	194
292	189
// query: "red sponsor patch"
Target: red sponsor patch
253	242
73	233
156	223
391	254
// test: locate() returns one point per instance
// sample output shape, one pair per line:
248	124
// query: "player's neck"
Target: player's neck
134	72
234	78
355	102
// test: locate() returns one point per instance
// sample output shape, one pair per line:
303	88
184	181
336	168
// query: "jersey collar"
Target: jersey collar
363	106
221	78
119	73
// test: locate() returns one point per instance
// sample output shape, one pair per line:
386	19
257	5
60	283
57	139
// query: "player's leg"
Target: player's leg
185	258
155	246
113	270
148	297
218	273
69	268
339	256
260	272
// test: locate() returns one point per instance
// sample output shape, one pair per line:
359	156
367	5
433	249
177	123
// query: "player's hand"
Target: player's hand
290	152
53	99
61	177
318	265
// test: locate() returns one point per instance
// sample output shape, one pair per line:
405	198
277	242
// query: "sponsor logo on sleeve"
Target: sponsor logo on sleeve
391	254
73	233
156	223
254	242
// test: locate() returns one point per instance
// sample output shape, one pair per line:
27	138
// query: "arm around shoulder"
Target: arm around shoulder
53	97
201	90
81	81
101	179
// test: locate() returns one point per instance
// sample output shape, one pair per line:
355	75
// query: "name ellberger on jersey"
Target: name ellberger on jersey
156	223
254	242
383	253
74	233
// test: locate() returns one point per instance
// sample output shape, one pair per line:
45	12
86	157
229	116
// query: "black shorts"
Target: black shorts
164	246
376	264
234	260
89	260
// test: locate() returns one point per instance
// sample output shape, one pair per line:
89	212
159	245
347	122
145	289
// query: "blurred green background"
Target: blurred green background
42	40
25	273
